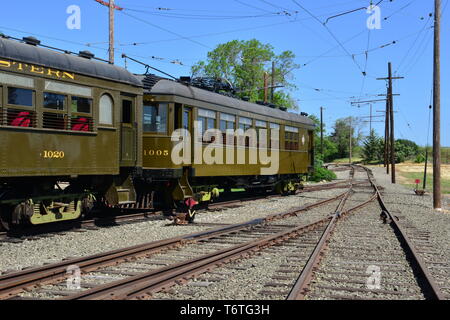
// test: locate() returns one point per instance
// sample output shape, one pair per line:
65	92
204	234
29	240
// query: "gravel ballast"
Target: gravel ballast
30	253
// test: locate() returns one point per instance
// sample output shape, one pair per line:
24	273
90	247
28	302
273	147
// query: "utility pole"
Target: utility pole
321	131
112	7
266	86
386	136
272	91
111	31
437	201
390	114
351	134
391	119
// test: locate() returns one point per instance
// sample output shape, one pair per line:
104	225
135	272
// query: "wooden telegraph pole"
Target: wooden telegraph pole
437	201
272	91
391	119
390	115
321	131
351	135
266	86
111	31
386	136
112	7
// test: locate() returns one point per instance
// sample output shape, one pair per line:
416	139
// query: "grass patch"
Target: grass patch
411	176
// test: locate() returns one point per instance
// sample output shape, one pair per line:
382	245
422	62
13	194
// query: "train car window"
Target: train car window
68	88
206	120
227	122
260	126
244	125
106	110
54	101
127	111
81	122
54	121
272	143
155	118
291	138
81	105
20	97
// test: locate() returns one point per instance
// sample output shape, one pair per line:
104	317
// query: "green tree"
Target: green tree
244	63
373	148
342	132
405	150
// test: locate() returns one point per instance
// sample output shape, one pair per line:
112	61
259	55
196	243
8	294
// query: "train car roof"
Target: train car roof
160	86
22	52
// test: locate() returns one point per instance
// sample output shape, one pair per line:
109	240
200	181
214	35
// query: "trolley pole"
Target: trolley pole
437	201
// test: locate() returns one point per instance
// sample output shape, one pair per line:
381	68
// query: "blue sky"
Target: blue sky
330	76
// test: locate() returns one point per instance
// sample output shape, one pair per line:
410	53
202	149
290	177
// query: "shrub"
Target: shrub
420	158
321	174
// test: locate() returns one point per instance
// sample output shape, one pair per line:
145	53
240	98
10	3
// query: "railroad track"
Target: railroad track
150	270
206	248
366	260
35	233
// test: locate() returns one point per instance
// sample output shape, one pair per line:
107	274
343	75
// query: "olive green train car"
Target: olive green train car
170	105
68	133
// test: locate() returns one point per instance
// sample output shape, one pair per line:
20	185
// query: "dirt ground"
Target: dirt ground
415	167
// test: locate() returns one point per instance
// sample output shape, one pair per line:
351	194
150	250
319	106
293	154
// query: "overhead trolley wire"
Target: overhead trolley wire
166	30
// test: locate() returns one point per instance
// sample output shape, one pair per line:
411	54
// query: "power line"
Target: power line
166	30
206	17
332	34
250	6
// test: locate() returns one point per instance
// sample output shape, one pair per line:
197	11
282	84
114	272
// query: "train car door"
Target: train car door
128	149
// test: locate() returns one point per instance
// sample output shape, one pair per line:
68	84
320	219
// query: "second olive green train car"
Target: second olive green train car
170	105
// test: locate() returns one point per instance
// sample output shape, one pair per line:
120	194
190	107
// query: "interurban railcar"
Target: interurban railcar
76	132
170	105
68	133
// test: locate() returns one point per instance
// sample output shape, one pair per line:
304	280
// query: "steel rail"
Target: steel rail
143	285
300	288
422	269
302	283
14	283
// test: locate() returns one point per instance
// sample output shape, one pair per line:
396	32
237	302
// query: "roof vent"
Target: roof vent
246	98
185	79
304	114
86	54
283	108
271	105
31	41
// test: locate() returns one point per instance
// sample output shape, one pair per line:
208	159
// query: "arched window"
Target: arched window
106	110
